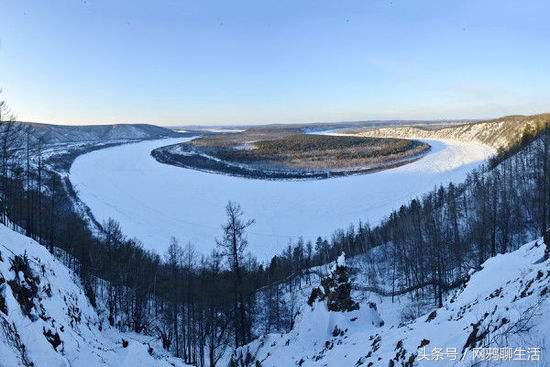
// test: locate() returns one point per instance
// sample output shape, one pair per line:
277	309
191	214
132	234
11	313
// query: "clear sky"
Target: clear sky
254	61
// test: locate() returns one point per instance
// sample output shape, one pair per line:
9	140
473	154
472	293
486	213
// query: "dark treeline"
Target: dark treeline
202	305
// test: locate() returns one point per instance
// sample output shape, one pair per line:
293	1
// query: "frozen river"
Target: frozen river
154	202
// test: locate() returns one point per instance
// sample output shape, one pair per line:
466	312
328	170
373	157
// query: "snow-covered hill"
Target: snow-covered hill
505	305
46	320
499	134
55	134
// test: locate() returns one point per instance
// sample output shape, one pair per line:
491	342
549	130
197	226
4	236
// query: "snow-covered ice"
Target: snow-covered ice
154	201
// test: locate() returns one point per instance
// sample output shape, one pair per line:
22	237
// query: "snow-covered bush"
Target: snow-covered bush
24	285
336	289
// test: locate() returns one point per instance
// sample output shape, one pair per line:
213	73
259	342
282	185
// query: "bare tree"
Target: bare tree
545	176
174	256
10	133
233	245
216	320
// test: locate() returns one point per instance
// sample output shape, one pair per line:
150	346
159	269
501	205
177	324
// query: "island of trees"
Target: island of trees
290	154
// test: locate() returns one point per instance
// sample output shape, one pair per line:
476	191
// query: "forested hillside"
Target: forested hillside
436	239
503	306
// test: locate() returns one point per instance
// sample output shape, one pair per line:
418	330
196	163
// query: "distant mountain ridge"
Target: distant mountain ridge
54	134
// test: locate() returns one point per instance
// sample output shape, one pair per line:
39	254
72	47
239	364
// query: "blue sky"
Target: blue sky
238	62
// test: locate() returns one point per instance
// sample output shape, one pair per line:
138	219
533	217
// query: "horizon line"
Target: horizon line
237	124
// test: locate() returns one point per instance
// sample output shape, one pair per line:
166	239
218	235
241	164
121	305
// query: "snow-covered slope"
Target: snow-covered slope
500	133
504	305
46	320
55	134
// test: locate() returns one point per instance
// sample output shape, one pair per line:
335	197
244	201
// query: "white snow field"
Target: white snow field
154	201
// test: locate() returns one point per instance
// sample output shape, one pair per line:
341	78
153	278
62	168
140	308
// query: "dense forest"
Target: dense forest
201	306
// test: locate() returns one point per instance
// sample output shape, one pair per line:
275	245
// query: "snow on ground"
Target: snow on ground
504	307
60	327
153	201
